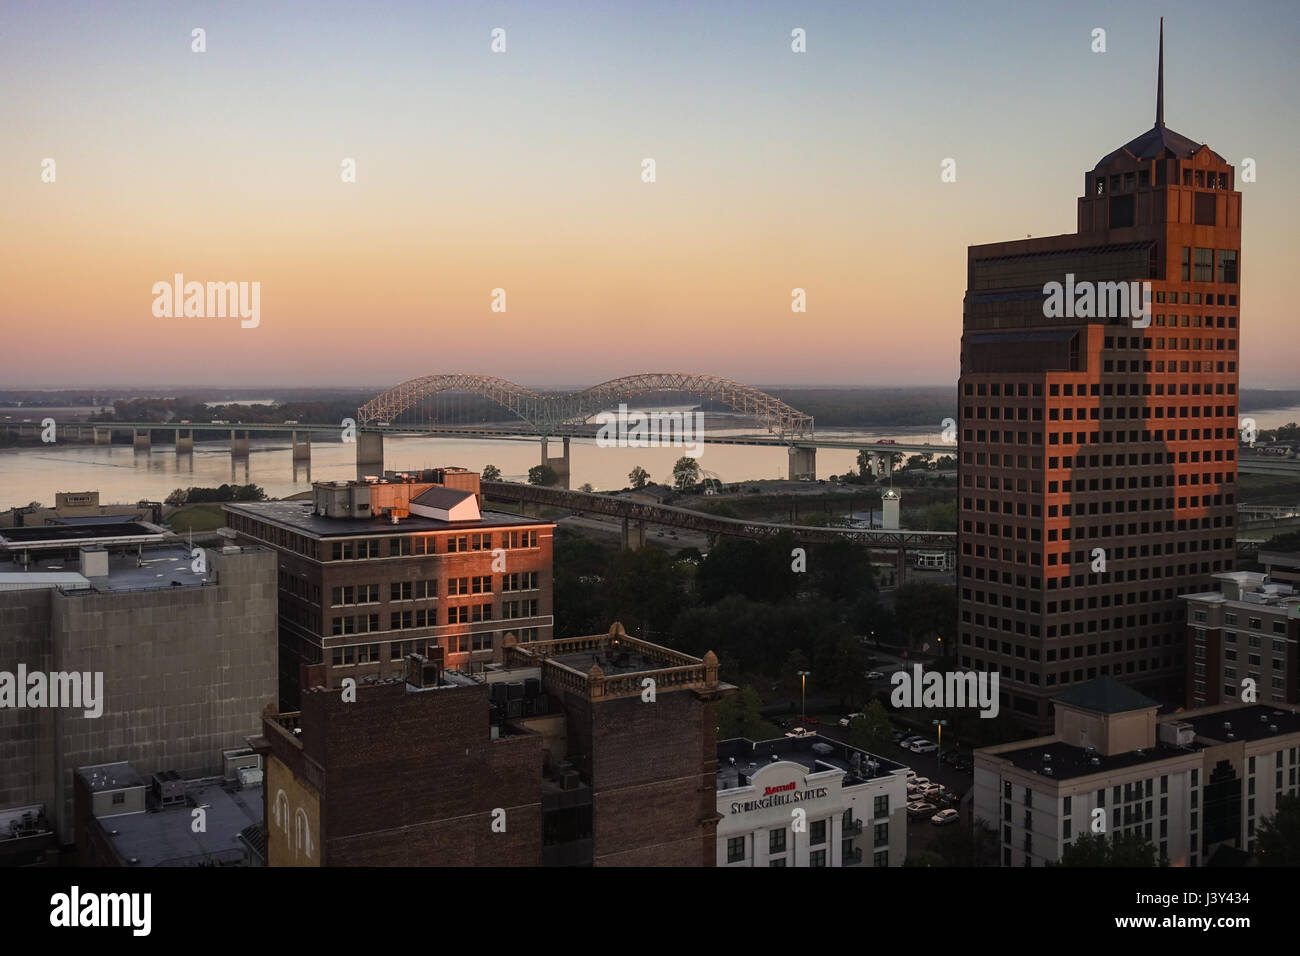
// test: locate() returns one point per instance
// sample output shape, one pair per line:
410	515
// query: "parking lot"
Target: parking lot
920	831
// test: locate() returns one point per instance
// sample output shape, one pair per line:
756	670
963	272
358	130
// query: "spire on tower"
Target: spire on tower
1160	79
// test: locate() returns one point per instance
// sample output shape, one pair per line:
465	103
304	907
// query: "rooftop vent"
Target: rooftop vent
1272	728
1095	761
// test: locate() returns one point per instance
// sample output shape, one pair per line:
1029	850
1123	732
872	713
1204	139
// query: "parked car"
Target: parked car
906	742
809	720
898	735
911	777
921	782
848	719
875	675
799	732
916	811
944	817
924	747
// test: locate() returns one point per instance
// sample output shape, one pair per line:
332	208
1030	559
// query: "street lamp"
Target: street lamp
803	694
938	759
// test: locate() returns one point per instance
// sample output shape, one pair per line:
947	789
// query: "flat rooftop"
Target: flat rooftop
110	776
1252	722
160	567
814	753
1068	761
301	517
166	837
79	535
621	662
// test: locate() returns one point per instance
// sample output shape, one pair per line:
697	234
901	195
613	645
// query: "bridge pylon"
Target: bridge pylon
370	454
559	465
803	462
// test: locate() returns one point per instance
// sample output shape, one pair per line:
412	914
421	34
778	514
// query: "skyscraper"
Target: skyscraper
1098	403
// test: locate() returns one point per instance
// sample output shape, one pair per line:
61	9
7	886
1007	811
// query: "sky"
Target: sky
523	170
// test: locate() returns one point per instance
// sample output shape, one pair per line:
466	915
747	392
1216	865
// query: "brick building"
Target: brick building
1098	445
374	570
554	757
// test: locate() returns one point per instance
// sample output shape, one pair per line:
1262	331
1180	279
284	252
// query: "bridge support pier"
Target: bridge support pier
370	454
103	436
803	462
141	438
633	535
302	449
185	441
238	443
559	465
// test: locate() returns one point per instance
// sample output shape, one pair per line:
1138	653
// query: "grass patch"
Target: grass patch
197	518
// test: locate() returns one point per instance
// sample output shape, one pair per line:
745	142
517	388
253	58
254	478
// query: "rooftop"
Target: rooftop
814	753
73	535
110	776
1061	761
299	516
1105	695
166	837
1252	722
160	567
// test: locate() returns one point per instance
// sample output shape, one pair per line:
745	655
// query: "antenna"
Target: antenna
1160	79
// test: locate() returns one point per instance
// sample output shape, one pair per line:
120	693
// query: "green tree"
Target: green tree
176	498
491	473
637	477
1119	850
1277	842
686	472
739	716
588	487
543	475
864	463
961	847
873	731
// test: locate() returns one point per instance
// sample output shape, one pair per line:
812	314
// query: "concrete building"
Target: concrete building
81	507
1242	641
181	660
1190	783
554	757
854	804
1098	445
374	570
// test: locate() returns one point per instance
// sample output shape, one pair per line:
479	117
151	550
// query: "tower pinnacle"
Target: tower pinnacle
1160	79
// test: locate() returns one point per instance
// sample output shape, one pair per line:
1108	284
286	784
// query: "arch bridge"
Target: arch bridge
549	413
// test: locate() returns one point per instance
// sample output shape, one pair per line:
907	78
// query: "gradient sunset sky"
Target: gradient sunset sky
522	170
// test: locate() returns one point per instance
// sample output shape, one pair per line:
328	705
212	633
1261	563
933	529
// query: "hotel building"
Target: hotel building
854	804
1192	784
